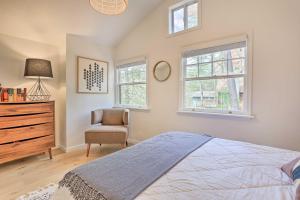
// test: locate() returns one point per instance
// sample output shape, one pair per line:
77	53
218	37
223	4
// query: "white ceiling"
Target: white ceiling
49	21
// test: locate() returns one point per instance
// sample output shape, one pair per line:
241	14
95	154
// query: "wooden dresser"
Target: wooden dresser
26	129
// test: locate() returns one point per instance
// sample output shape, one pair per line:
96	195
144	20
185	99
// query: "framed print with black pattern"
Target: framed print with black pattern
92	76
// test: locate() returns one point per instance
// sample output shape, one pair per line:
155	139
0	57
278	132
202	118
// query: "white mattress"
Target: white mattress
223	169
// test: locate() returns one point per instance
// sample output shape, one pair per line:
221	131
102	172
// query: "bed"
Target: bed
221	169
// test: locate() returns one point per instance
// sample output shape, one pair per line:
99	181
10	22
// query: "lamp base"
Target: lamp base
39	92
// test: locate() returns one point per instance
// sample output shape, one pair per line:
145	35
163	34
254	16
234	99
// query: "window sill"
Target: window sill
225	115
170	35
133	108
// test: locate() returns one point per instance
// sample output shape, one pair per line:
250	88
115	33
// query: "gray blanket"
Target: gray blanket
125	174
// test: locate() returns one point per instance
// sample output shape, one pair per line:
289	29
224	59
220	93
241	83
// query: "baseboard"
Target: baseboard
61	147
72	148
56	147
76	147
82	146
133	141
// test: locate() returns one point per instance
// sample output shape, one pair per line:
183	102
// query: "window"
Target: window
183	16
215	79
131	85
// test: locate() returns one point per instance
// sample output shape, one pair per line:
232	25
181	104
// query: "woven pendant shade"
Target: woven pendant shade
109	7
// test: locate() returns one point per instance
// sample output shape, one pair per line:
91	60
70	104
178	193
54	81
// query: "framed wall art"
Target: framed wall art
92	76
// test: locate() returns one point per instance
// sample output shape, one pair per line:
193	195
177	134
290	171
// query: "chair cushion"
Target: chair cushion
106	129
112	117
106	134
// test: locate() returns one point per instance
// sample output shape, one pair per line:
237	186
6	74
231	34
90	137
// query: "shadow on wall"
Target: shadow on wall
13	53
11	64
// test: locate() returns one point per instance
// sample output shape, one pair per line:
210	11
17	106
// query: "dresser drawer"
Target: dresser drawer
26	120
23	109
23	149
23	133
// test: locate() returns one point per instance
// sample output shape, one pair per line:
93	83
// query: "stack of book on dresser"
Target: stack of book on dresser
12	94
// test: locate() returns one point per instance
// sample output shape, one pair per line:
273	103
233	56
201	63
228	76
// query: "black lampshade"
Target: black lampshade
35	68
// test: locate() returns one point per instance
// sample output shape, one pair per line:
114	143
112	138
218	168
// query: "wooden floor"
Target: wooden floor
26	175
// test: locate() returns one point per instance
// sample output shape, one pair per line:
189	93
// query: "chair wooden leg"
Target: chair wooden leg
50	153
126	143
88	150
100	145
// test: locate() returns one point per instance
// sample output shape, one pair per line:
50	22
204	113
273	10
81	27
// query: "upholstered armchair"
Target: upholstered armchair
109	126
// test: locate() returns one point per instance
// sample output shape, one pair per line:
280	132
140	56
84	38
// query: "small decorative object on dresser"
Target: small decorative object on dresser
92	76
12	94
26	129
38	69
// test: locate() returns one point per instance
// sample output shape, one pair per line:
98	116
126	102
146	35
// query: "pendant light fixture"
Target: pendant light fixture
109	7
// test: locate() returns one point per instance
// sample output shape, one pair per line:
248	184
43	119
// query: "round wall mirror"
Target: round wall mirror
162	71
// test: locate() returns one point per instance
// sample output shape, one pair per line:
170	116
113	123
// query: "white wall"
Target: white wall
79	106
274	26
13	53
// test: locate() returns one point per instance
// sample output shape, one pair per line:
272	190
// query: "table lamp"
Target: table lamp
38	69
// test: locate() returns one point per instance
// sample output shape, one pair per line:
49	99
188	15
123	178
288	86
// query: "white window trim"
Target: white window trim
183	4
117	94
211	114
248	78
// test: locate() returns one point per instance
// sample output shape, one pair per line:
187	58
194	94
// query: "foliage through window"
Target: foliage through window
183	16
215	79
132	85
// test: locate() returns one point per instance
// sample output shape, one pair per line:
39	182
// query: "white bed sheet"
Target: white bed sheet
223	170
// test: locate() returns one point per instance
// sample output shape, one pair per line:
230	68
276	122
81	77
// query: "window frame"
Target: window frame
183	4
247	113
127	64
